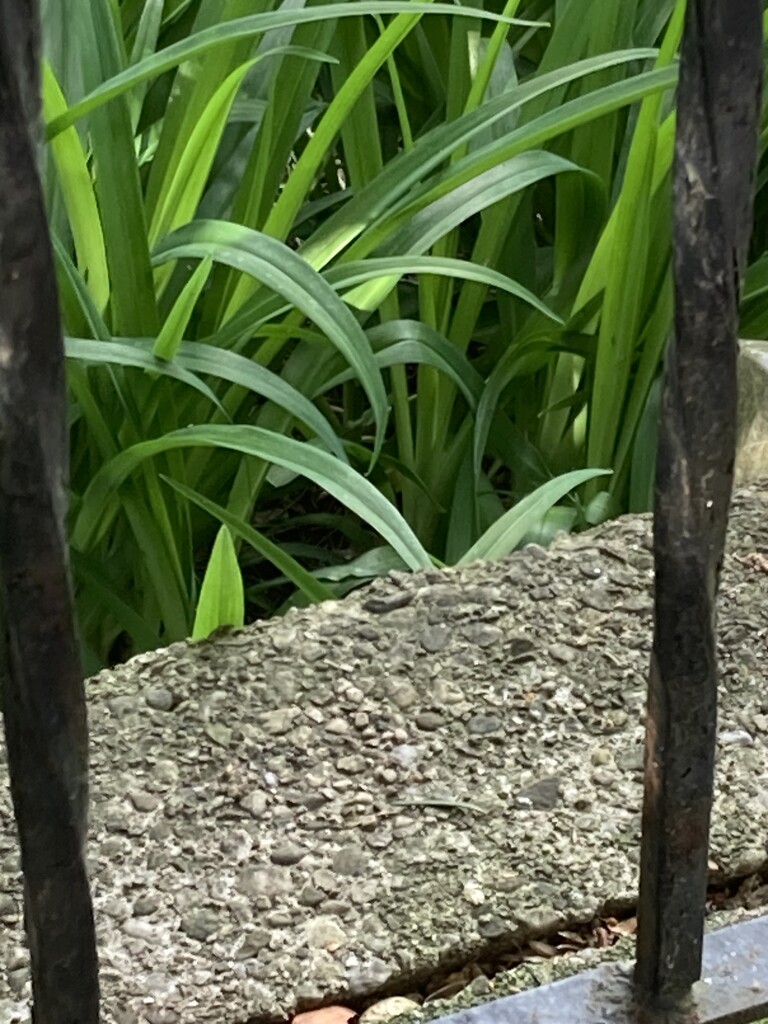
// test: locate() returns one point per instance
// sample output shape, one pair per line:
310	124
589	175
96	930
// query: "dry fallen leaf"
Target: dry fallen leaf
544	949
626	927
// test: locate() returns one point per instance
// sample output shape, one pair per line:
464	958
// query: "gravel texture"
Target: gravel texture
334	804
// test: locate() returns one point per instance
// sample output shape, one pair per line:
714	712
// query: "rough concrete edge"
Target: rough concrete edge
537	971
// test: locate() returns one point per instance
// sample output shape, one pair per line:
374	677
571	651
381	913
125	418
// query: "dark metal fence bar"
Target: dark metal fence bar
718	114
716	152
42	686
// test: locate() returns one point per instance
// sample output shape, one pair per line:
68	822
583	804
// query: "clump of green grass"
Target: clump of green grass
350	287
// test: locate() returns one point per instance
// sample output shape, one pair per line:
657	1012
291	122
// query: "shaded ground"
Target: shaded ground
432	771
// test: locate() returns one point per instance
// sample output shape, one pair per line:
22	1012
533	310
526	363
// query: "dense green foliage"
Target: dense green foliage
359	285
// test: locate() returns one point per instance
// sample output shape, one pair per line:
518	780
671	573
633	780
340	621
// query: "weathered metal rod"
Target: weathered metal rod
715	161
42	685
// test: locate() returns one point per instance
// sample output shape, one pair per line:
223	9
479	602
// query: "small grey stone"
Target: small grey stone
631	760
338	726
279	919
287	854
637	603
17	980
7	905
368	976
255	803
311	651
311	897
145	905
480	986
279	721
160	1015
123	1015
429	720
117	908
254	942
161	986
380	604
435	639
736	737
367	891
542	795
406	755
283	639
561	652
599	599
325	880
403	695
201	924
115	820
353	764
266	881
313	801
120	707
137	928
142	801
237	845
536	552
591	571
386	1009
491	927
519	648
481	725
164	774
160	698
603	777
220	734
161	831
481	634
325	933
350	861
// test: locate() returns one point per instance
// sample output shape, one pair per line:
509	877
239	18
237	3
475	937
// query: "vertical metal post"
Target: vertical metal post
42	685
718	116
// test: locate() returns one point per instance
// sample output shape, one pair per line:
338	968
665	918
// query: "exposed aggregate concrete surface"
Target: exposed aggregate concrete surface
335	803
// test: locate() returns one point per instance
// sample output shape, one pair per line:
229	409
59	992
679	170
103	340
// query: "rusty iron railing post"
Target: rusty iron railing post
42	685
716	149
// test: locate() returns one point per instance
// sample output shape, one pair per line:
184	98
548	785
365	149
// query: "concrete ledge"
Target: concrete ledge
430	772
752	445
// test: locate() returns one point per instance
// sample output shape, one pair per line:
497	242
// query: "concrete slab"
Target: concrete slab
435	769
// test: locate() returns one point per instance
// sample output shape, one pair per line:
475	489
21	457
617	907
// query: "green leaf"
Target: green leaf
222	601
287	273
74	180
391	189
184	185
244	28
193	358
368	566
347	275
287	565
349	487
399	342
136	354
176	323
507	532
